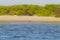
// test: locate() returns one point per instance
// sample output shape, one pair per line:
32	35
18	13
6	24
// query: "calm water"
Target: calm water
29	31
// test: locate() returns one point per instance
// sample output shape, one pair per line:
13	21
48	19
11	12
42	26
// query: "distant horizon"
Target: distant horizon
34	2
28	4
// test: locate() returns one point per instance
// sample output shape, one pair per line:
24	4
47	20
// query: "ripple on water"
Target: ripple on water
29	31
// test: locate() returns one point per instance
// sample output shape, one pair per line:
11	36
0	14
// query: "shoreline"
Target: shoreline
28	19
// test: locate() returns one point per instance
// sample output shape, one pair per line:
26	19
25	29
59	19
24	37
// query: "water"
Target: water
29	31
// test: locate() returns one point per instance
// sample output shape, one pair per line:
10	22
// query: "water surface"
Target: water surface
29	31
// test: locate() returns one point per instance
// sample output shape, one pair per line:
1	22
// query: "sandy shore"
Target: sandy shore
28	18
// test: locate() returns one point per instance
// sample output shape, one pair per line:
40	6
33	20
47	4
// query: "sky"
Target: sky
37	2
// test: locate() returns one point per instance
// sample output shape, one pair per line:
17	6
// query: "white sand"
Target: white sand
28	18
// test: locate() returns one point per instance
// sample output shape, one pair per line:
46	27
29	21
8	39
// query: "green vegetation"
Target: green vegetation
31	10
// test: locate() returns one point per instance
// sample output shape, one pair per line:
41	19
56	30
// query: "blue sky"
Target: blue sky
38	2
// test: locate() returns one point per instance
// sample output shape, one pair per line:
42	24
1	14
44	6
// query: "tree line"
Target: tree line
31	10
